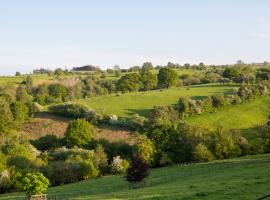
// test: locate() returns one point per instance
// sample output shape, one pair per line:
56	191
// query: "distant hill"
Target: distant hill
86	68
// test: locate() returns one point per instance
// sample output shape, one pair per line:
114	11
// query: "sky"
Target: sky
72	33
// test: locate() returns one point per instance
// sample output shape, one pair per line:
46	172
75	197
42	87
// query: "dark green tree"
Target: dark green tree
167	77
78	133
149	80
129	83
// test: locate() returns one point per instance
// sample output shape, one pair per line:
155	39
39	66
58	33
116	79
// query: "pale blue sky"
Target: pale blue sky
59	33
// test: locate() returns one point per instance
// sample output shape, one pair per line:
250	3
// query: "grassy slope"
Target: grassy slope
242	178
141	102
242	116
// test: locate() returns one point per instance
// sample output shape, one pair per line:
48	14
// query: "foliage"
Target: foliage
6	116
100	158
78	133
144	148
34	183
129	83
48	142
69	110
202	153
148	79
137	171
167	77
119	165
20	112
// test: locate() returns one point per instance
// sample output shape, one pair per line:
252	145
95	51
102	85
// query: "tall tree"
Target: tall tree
167	77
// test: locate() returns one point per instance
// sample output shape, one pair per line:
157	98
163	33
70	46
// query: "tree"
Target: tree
6	118
167	77
129	83
100	158
147	66
41	94
17	74
34	184
137	171
144	148
117	73
20	112
78	133
183	105
22	94
58	91
149	80
231	73
28	82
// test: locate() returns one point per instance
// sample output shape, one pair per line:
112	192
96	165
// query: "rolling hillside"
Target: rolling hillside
241	178
243	117
125	105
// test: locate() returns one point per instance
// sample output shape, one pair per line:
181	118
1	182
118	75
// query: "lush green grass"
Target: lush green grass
141	102
244	116
241	178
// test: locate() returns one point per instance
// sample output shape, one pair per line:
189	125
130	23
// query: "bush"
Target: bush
100	159
34	184
202	153
48	142
218	100
144	148
137	171
69	110
119	165
78	133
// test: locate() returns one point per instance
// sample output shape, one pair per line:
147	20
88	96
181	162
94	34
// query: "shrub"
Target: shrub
100	159
202	153
48	142
183	105
163	114
137	171
137	122
69	110
144	148
218	100
165	160
34	184
118	165
224	145
78	133
20	112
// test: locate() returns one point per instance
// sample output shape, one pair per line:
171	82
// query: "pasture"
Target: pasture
125	105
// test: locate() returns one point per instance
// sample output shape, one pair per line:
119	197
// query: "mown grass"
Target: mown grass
127	104
245	116
240	178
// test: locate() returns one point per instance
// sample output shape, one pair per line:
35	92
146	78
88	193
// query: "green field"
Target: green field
241	178
242	116
128	104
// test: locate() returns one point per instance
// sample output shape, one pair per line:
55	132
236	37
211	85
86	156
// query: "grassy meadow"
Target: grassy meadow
240	178
243	116
127	104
